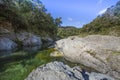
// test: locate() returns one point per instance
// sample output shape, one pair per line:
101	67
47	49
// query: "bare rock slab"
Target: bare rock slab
59	71
99	52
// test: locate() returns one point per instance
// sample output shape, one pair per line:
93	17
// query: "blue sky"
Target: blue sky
77	12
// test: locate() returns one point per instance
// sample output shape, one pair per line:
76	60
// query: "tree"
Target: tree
58	21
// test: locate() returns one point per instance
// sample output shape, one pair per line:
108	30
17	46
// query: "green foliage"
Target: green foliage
58	21
103	25
67	31
29	15
106	24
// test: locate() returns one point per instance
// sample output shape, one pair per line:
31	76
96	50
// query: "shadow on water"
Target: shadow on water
17	65
16	55
6	53
31	49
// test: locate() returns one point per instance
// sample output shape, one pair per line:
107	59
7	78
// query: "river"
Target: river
16	65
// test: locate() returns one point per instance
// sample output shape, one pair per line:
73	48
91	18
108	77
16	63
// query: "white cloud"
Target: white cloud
99	2
102	11
70	19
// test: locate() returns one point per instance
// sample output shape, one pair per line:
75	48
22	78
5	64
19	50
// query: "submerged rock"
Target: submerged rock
7	44
59	71
101	53
56	54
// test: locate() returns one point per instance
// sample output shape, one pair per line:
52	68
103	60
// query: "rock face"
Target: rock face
101	53
59	71
24	39
28	39
7	44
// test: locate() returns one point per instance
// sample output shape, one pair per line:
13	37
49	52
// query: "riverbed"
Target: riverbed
16	65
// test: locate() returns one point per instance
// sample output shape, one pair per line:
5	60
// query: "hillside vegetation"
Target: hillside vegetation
31	16
28	15
105	24
67	31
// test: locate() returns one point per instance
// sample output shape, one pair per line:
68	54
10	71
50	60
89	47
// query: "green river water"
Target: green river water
17	65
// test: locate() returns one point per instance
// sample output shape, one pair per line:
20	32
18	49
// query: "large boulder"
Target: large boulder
101	53
7	44
59	71
28	39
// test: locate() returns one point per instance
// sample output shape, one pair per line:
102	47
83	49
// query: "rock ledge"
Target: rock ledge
59	71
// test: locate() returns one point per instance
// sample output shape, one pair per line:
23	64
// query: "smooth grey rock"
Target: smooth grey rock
7	44
24	39
1	2
94	51
59	71
54	71
98	76
28	39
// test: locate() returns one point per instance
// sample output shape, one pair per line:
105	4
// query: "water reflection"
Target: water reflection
6	53
29	50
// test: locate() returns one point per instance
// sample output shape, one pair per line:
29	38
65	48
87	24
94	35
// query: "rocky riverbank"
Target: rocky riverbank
59	71
99	52
11	41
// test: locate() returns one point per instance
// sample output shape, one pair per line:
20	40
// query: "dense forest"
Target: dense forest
28	15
